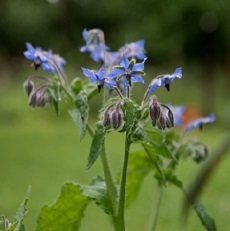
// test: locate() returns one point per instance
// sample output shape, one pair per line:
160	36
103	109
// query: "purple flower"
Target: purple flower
199	122
134	49
99	77
130	71
178	112
165	80
46	59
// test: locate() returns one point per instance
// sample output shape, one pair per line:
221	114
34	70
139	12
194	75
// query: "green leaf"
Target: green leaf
91	90
155	159
98	192
66	213
96	145
207	221
76	86
80	113
2	223
18	224
138	167
130	114
170	177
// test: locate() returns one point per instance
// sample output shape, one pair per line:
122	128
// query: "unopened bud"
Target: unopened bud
116	119
106	118
40	99
28	86
170	119
154	111
162	122
32	99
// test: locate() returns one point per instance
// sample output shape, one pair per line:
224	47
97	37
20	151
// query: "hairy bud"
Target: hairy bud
32	99
106	117
28	86
154	111
116	119
162	122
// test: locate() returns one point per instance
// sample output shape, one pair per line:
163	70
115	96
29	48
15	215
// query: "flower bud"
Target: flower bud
169	119
161	122
154	111
28	86
116	119
106	117
32	99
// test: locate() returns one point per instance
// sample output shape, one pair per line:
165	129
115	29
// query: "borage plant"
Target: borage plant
149	124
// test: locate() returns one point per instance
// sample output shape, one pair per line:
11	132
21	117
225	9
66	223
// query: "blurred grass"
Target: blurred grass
42	150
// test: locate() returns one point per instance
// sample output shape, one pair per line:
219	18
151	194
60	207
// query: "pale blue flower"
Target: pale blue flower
99	77
129	71
199	122
165	80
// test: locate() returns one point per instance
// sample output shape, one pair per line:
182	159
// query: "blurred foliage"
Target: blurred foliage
190	29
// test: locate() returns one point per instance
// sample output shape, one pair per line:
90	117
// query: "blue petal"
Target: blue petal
110	83
139	66
89	73
30	53
101	73
177	73
155	83
199	122
125	63
137	78
116	72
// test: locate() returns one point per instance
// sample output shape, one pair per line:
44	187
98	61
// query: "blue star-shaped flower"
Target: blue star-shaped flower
134	49
199	122
99	77
46	59
165	80
129	71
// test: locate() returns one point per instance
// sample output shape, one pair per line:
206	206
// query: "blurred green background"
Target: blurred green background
43	150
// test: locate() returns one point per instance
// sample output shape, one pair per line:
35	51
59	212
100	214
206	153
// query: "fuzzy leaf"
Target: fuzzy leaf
66	213
76	86
139	166
98	192
155	159
130	114
96	145
2	223
91	90
18	224
207	221
80	113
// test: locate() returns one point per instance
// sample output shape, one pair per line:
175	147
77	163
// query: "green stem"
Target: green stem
111	187
121	201
156	208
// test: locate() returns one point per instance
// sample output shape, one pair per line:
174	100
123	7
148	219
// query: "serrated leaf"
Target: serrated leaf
206	220
96	145
22	211
66	213
97	191
80	113
138	167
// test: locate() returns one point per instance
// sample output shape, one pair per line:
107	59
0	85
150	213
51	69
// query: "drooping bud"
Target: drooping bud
41	99
161	122
116	117
32	99
28	86
200	152
106	117
169	119
154	110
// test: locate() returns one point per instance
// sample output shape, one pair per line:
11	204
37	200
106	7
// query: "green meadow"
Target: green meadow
38	148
